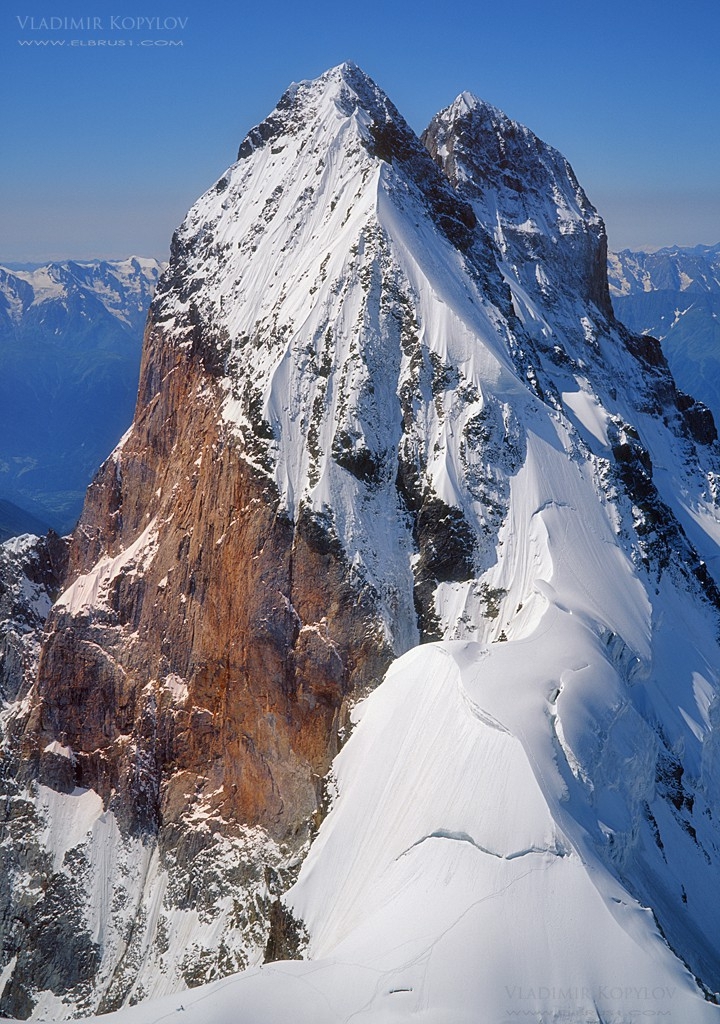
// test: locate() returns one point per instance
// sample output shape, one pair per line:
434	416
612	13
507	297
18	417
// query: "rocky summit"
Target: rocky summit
381	672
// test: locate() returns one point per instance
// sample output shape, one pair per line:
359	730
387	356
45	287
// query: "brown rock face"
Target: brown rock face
206	650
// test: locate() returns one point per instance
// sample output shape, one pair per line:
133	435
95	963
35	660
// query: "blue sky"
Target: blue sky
105	147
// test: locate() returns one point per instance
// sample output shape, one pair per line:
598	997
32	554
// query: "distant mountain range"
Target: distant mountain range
674	295
70	341
15	521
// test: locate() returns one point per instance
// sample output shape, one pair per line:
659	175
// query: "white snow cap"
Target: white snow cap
465	103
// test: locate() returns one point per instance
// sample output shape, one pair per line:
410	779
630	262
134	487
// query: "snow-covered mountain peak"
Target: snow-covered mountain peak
361	423
358	319
335	95
346	99
311	270
466	102
525	192
122	287
695	271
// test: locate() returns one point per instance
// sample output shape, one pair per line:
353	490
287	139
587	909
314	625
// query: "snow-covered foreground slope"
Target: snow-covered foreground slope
493	797
457	878
490	799
487	805
412	371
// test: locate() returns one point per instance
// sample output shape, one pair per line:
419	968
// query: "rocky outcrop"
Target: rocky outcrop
205	657
698	418
526	193
31	573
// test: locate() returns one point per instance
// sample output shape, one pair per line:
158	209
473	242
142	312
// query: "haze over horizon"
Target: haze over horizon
122	120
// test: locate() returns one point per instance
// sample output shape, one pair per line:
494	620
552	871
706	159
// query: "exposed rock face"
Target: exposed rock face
195	670
699	419
220	640
528	197
31	572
